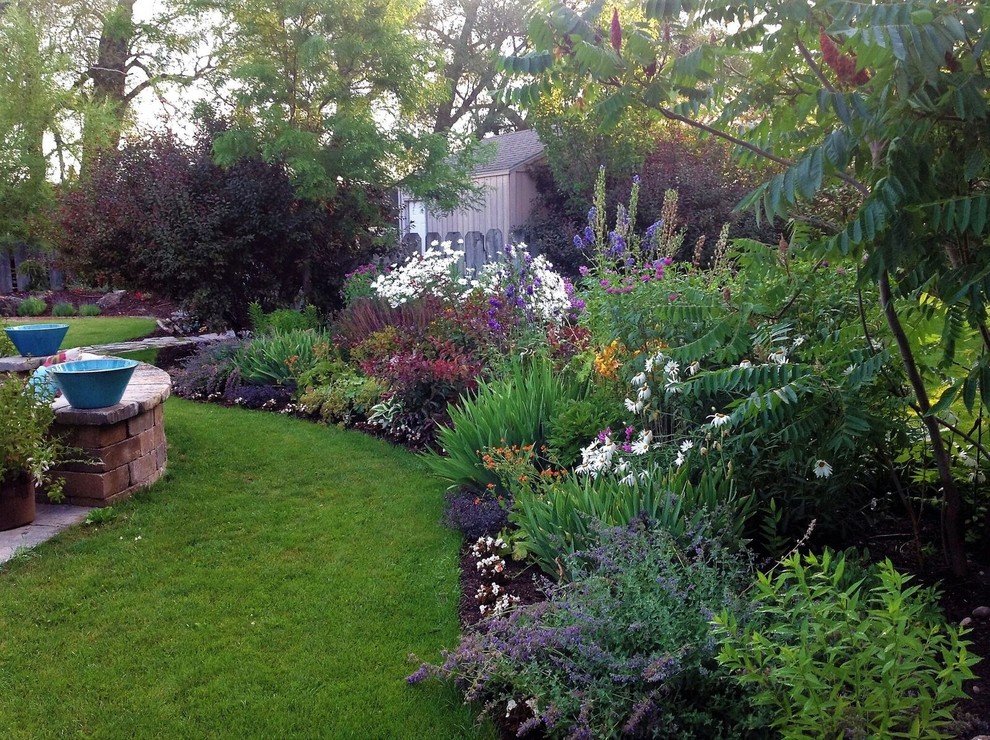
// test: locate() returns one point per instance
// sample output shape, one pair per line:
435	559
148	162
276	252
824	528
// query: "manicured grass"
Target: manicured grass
97	330
271	586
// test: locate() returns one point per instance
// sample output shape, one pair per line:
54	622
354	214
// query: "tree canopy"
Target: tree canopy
335	89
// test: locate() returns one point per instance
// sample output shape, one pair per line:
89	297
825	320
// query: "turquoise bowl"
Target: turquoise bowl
37	340
93	384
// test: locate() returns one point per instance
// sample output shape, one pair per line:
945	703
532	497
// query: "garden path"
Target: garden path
49	521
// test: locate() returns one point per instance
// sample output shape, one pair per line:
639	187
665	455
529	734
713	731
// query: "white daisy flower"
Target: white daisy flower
679	460
629	480
639	379
642	445
693	368
672	368
745	363
687	445
779	357
630	405
719	420
822	469
645	393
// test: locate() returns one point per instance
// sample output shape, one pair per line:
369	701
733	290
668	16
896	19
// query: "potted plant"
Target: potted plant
27	452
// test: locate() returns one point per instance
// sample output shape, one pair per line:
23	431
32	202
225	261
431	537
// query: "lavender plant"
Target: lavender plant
626	648
205	375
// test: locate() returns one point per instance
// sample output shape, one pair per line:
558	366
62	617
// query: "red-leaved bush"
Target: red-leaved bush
160	215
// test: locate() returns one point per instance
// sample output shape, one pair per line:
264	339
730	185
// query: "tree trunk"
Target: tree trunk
952	521
109	76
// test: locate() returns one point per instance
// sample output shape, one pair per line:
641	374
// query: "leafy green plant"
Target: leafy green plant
282	319
89	309
31	306
344	398
26	447
102	515
837	658
578	420
7	348
63	309
278	358
515	409
558	515
37	273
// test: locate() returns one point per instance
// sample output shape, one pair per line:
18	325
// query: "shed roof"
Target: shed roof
512	150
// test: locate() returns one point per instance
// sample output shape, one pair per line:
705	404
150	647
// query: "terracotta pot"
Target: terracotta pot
16	502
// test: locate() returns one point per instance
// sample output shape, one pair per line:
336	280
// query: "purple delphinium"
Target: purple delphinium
617	242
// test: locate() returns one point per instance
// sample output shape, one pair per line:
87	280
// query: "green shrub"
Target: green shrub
89	309
38	274
346	398
282	319
841	659
578	420
278	358
63	309
31	307
516	409
7	348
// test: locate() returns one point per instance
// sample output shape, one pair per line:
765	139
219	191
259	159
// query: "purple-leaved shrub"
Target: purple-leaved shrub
476	515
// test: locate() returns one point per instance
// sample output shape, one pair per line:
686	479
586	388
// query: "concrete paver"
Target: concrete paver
49	521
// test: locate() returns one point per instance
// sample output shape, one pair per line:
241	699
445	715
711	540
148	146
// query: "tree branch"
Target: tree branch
667	113
814	67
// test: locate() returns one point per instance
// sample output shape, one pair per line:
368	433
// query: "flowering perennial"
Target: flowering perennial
519	280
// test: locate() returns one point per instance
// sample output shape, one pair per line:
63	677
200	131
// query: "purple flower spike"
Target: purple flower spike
583	269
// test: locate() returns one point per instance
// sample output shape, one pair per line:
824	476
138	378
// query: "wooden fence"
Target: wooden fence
479	249
16	266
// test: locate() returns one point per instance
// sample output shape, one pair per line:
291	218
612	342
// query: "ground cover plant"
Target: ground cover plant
241	595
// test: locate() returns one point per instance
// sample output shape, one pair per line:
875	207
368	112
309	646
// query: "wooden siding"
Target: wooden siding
506	205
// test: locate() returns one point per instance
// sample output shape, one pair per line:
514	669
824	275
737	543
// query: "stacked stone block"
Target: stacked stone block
121	448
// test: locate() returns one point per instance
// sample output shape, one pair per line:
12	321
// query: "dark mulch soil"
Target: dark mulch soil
134	303
522	579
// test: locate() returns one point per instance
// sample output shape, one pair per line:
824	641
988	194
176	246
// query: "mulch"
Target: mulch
133	303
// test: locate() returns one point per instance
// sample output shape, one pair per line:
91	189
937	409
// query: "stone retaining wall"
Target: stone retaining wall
123	446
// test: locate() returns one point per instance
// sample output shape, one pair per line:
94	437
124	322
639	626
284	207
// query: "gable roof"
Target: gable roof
512	150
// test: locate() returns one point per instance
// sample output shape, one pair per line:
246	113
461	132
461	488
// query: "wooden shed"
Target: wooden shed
509	193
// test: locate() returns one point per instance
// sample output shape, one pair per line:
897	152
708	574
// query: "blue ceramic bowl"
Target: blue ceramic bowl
93	384
37	340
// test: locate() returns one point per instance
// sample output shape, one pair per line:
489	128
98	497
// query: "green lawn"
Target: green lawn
272	585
